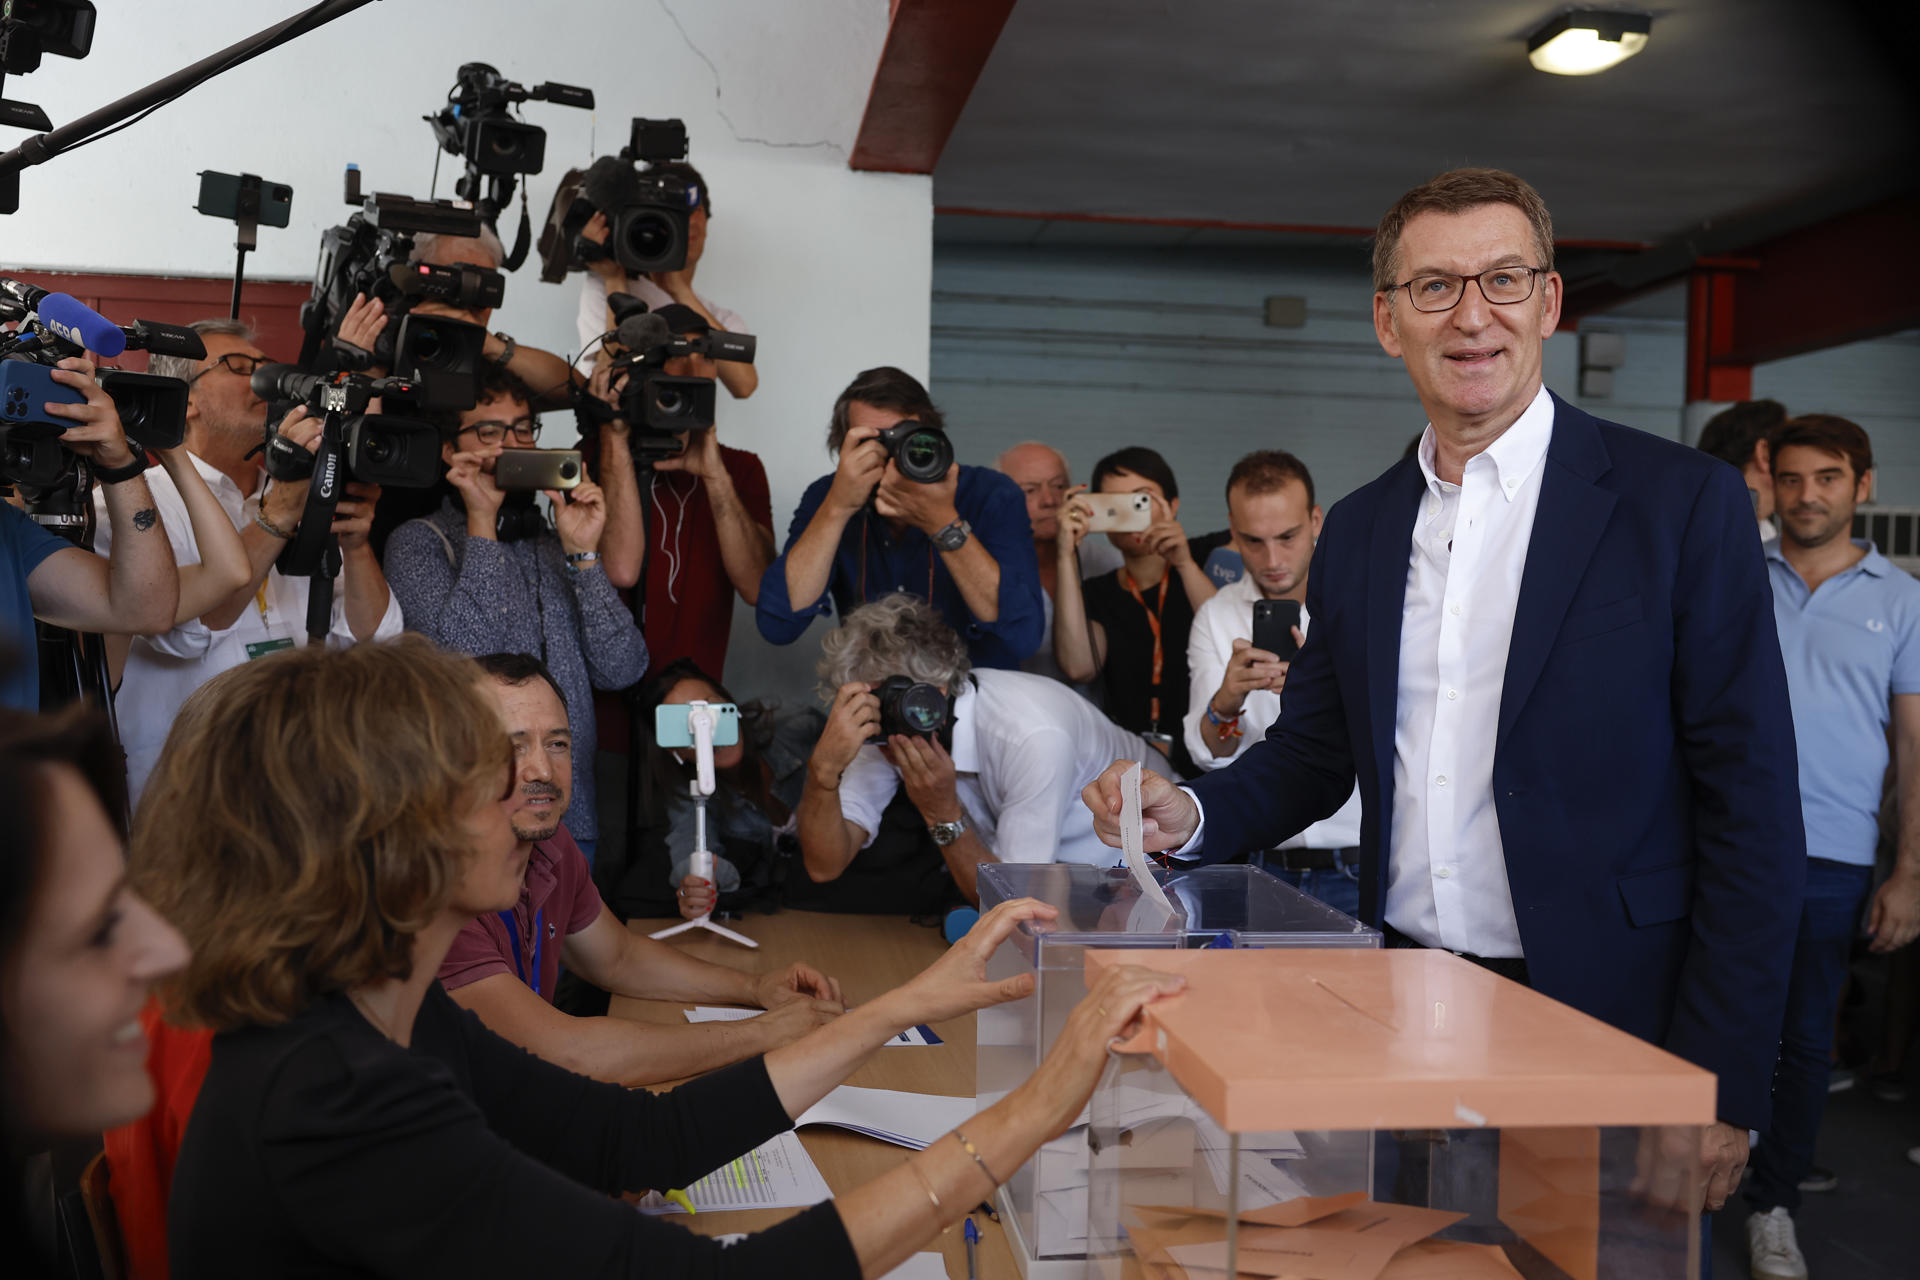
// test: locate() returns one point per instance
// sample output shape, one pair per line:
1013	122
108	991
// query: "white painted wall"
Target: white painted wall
829	267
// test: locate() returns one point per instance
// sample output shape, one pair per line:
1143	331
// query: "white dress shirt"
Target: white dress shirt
163	670
1447	876
1023	748
1219	621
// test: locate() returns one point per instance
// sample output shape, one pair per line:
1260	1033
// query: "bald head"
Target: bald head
1041	472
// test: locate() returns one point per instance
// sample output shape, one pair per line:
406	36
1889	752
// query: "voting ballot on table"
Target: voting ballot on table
1386	1115
1044	1203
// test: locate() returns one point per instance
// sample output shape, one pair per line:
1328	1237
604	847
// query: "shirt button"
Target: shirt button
1440	781
1452	694
1454	610
1443	873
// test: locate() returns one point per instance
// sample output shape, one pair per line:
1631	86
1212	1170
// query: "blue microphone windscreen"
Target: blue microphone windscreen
77	322
959	920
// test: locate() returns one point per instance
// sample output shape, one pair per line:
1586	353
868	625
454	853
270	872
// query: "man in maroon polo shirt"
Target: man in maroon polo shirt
504	966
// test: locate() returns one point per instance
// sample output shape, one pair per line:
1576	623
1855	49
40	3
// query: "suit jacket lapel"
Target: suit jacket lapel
1572	515
1386	601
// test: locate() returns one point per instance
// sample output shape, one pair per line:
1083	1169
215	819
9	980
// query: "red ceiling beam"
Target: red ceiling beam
1843	280
934	53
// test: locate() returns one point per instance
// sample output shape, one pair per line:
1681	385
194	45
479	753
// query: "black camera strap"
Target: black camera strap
313	552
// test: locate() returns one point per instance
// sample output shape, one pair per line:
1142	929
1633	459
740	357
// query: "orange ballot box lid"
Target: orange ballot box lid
1402	1039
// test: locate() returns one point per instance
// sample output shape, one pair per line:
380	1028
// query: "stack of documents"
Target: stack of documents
920	1035
775	1175
911	1120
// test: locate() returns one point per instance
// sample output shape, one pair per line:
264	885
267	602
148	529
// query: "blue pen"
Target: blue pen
972	1235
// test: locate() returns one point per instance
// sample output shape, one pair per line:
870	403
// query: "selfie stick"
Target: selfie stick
700	863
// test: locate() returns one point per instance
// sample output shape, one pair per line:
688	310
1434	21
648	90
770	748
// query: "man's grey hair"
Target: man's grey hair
427	242
184	367
894	635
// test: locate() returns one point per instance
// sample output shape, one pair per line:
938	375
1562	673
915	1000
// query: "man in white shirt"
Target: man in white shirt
605	276
997	782
1737	435
225	421
1234	688
1544	646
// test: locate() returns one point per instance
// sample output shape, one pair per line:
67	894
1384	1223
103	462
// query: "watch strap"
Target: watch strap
954	536
945	833
117	475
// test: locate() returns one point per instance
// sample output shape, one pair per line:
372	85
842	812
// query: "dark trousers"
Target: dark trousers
1338	887
1829	914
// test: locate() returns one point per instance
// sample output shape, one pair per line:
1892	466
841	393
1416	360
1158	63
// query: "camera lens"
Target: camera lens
378	449
669	402
426	346
650	240
925	455
924	709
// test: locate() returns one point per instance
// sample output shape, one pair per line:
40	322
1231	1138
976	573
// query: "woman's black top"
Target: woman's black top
321	1148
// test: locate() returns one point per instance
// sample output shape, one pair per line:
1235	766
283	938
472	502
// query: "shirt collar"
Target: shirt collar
966	736
1513	455
1872	563
217	480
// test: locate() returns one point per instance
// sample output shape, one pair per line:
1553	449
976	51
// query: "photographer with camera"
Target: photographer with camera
44	576
993	760
898	514
707	515
268	611
367	318
606	276
487	573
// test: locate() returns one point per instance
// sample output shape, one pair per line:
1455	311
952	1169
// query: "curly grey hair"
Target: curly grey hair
898	634
184	367
427	244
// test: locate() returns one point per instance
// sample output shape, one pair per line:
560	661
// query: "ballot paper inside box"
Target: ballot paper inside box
1384	1115
1220	907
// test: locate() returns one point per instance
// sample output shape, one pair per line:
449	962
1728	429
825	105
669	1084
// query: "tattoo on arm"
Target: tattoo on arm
145	518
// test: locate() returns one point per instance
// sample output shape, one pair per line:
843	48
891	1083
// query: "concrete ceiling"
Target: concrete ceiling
1320	112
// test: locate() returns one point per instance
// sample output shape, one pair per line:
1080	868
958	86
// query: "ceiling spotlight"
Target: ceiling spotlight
1580	42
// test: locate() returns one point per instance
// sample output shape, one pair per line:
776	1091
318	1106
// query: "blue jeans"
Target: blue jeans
1829	914
1339	888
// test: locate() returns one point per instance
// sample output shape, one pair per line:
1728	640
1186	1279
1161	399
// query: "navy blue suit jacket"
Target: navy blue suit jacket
1644	771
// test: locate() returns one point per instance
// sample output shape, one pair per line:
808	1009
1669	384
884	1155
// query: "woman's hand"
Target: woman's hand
1055	1094
956	983
1075	512
697	897
796	982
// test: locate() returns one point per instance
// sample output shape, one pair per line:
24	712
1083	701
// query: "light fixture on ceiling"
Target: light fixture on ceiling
1581	42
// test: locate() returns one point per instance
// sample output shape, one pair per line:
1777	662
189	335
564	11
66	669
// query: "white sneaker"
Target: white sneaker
1773	1251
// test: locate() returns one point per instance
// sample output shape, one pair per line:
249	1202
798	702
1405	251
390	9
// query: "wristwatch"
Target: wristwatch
508	347
945	833
954	536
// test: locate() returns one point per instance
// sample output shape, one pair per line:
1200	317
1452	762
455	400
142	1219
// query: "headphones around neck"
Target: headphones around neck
519	517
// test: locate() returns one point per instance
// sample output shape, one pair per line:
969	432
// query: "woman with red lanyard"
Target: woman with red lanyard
1130	626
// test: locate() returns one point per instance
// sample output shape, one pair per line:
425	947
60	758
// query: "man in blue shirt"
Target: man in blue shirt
1850	634
962	543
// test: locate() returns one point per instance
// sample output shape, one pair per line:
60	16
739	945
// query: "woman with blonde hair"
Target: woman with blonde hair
320	827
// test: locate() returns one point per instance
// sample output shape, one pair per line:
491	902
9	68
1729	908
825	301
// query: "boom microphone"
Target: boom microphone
165	339
80	324
21	292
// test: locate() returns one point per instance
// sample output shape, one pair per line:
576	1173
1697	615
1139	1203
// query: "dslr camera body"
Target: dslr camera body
647	213
922	452
910	707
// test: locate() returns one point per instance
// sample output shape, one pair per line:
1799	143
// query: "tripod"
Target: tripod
700	723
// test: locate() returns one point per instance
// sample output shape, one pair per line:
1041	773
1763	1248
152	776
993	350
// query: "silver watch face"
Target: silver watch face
945	833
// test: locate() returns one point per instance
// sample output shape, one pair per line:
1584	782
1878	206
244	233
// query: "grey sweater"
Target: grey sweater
481	596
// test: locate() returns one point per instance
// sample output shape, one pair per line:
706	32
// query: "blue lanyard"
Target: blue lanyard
513	936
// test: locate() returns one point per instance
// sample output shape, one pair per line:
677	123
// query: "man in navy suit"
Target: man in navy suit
1544	645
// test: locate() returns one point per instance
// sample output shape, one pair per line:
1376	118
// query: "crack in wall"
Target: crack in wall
719	107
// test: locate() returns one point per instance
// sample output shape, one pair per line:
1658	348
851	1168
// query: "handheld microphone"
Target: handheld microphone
643	332
78	323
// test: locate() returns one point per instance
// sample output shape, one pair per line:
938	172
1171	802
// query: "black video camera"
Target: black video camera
152	409
477	126
923	453
660	408
377	448
369	255
647	212
910	707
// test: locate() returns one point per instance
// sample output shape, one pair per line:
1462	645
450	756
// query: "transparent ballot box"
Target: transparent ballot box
1386	1115
1045	1202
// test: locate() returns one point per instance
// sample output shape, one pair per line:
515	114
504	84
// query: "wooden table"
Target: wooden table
869	955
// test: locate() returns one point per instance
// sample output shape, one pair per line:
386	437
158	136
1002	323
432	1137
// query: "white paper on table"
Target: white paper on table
1133	842
714	1013
911	1120
775	1175
921	1266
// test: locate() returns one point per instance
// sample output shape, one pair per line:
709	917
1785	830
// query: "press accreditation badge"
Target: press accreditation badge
261	648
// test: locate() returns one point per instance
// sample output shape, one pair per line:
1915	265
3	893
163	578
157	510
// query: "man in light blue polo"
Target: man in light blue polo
1850	634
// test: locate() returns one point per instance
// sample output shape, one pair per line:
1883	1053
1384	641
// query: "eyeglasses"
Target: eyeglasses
235	362
1442	291
524	430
